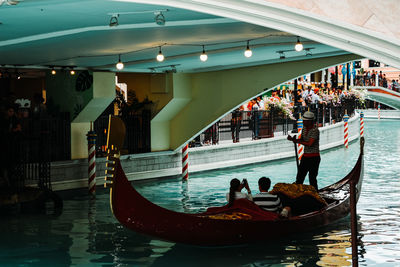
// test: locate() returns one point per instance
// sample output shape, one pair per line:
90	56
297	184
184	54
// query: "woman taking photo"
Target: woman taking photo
235	191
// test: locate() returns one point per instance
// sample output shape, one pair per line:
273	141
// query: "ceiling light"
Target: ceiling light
299	46
203	56
248	52
114	20
72	72
159	18
53	71
119	65
19	76
160	56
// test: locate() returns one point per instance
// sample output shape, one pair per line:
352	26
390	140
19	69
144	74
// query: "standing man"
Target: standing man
311	158
236	123
255	116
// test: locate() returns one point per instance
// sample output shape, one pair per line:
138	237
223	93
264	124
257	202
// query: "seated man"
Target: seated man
265	200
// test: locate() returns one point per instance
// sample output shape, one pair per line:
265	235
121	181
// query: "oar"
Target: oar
297	156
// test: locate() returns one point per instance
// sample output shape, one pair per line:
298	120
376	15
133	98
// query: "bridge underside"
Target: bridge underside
200	99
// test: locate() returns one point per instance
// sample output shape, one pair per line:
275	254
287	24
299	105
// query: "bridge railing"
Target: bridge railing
265	124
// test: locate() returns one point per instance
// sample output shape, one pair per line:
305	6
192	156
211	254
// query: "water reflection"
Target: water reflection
30	240
329	246
185	196
87	234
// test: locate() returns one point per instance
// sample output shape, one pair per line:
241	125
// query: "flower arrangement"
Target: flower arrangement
282	105
358	94
332	99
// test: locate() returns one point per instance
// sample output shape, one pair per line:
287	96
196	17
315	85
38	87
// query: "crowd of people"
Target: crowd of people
285	102
285	99
373	78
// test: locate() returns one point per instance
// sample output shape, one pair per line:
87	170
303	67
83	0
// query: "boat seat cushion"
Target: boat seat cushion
301	198
241	209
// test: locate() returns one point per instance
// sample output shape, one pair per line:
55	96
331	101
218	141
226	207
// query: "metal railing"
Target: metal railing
265	124
28	152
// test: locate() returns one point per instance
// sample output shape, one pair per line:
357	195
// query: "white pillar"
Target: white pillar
351	74
329	76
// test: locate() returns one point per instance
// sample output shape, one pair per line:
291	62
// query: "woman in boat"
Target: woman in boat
235	191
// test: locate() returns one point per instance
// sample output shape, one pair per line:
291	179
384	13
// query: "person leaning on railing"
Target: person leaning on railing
236	123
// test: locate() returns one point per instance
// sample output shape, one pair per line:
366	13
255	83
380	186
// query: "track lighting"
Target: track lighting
203	56
114	20
119	65
299	46
159	18
248	52
160	56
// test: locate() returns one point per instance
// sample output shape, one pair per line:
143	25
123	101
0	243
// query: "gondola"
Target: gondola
211	228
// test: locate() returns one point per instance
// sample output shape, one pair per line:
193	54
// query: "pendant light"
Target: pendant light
203	56
119	65
299	46
160	56
248	52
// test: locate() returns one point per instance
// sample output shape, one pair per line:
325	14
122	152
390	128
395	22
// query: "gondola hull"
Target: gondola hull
138	214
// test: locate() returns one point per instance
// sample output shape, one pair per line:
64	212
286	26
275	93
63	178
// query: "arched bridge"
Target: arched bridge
382	95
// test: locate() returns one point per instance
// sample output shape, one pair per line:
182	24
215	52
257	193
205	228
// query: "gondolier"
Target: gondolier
310	161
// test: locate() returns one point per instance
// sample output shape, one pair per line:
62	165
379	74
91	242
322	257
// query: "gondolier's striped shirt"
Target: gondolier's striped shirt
268	201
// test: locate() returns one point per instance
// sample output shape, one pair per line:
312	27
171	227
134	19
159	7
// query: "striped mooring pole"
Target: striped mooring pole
185	162
346	130
300	148
91	137
361	124
379	111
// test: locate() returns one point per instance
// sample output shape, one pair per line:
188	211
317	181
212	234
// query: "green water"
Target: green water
86	233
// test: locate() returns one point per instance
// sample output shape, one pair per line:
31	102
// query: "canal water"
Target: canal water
87	234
